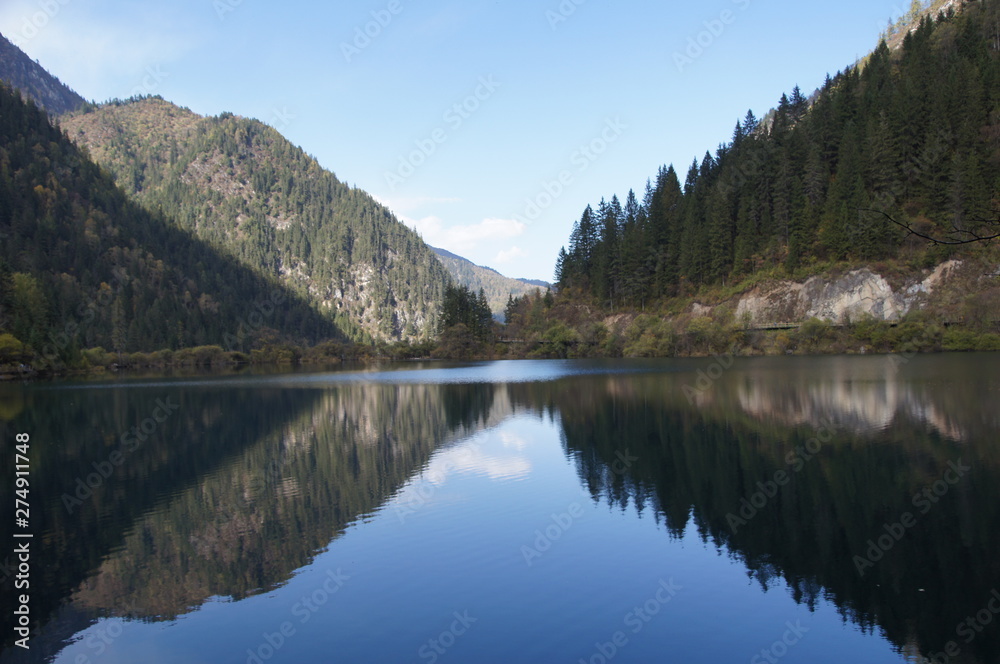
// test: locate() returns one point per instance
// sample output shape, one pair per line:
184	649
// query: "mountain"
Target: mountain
240	186
496	287
912	137
897	30
21	72
84	266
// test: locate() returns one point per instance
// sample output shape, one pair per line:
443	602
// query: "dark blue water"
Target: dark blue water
790	509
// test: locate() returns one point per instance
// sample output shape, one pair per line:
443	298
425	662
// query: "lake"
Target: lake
793	509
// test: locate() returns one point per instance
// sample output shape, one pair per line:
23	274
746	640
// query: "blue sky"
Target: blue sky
487	126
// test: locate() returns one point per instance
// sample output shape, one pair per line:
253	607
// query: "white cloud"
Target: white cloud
103	59
464	239
512	254
403	205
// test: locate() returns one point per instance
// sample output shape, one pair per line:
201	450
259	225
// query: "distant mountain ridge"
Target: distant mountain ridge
26	75
496	286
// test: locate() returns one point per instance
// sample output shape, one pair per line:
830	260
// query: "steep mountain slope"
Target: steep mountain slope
912	137
496	287
240	186
81	265
919	9
21	72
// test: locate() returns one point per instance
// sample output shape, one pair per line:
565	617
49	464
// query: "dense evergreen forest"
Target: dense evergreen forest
83	266
240	186
910	136
466	323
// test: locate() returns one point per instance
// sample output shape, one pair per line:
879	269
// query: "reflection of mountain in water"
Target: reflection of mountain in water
233	493
248	526
74	430
872	399
701	462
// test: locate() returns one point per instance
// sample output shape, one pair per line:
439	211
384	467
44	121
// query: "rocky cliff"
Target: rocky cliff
856	294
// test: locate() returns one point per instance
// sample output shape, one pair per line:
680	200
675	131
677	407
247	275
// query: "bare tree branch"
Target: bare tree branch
955	236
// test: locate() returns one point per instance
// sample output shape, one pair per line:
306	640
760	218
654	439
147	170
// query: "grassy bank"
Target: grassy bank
18	361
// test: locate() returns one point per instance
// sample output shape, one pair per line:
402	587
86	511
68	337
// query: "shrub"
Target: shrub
11	349
988	341
558	341
814	332
163	358
875	332
98	357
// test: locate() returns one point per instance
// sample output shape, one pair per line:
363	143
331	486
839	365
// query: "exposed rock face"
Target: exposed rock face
23	73
855	294
851	296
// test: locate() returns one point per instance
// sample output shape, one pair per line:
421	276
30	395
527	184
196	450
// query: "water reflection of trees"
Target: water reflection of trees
699	462
228	497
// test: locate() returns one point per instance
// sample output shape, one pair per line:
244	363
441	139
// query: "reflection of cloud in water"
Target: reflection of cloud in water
511	439
469	457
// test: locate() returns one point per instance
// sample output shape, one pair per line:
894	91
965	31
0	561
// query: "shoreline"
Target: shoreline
270	368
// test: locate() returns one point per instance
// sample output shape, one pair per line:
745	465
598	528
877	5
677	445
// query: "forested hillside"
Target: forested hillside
82	266
912	136
241	187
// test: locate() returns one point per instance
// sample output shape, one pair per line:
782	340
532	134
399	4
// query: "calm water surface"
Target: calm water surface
790	509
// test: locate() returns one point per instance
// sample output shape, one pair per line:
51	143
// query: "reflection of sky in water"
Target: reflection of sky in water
431	373
477	456
454	539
